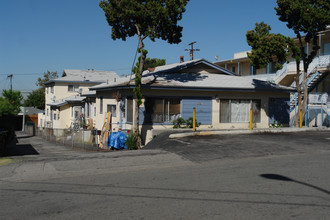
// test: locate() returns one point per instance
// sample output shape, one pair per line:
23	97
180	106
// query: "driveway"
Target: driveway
213	147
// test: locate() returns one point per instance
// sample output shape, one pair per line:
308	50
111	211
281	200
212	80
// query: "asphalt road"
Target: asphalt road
281	176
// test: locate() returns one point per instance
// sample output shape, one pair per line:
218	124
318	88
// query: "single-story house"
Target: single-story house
222	99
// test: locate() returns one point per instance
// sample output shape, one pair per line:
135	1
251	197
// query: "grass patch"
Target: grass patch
5	161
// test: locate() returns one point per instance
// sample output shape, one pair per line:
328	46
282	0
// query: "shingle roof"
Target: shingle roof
75	98
86	76
167	78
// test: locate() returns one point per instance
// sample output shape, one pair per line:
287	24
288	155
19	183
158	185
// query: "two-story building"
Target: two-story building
318	78
65	104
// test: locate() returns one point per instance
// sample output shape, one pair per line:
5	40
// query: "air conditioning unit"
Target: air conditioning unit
53	99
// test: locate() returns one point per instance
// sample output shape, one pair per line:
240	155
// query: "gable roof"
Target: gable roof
184	67
86	76
179	77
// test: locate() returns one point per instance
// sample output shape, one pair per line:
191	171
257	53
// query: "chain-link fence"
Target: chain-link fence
82	139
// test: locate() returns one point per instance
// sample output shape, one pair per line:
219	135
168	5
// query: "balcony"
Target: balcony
286	75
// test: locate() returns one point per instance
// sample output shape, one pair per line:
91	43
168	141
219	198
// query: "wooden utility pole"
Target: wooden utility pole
191	50
11	81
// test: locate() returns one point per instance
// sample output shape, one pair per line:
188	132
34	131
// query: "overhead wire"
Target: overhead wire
130	78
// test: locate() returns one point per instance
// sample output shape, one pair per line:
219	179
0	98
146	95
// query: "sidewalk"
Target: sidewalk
255	131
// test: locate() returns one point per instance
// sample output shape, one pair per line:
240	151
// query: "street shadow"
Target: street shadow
284	178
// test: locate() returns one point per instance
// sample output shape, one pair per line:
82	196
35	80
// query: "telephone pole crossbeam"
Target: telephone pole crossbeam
191	50
11	81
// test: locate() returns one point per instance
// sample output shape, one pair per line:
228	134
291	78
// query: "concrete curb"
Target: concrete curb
256	131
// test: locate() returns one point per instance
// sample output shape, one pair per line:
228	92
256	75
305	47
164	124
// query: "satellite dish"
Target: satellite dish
216	57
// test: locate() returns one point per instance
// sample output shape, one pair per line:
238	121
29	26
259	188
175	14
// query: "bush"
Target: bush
181	123
190	122
131	141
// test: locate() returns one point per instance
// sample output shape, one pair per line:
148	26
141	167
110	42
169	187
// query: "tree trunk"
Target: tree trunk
138	94
297	122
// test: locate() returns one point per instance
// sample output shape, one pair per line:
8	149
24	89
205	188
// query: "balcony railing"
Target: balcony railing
321	61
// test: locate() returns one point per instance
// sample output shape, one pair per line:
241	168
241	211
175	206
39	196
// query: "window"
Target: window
101	105
326	49
94	111
112	109
129	114
47	90
58	115
52	89
47	111
233	69
162	110
238	111
54	116
73	88
87	109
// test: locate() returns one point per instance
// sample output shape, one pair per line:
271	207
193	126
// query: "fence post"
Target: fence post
72	132
83	138
194	119
300	118
321	116
251	118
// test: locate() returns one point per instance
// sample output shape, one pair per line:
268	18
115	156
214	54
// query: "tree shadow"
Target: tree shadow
163	78
284	178
20	150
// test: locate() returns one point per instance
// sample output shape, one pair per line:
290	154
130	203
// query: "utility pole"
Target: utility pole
11	81
191	50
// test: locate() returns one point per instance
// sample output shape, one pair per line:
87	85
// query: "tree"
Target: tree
155	19
149	63
306	18
47	76
36	99
10	102
268	47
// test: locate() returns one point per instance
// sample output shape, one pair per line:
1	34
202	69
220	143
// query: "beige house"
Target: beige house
65	105
222	99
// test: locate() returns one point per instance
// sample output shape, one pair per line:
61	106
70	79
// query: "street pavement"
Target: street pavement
241	176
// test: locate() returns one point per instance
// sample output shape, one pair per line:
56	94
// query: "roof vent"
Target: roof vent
151	69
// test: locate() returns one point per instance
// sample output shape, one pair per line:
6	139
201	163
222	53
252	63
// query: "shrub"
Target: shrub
190	121
131	141
179	122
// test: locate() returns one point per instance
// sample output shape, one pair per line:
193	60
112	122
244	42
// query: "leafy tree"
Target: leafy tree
146	18
10	102
36	99
49	75
268	47
149	63
306	18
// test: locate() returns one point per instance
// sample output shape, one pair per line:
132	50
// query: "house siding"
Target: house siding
203	109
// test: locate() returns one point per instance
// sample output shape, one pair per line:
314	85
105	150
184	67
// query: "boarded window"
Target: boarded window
238	111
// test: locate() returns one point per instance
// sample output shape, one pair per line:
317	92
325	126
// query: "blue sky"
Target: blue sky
41	35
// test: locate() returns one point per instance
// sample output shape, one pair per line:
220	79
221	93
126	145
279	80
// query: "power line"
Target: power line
19	74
